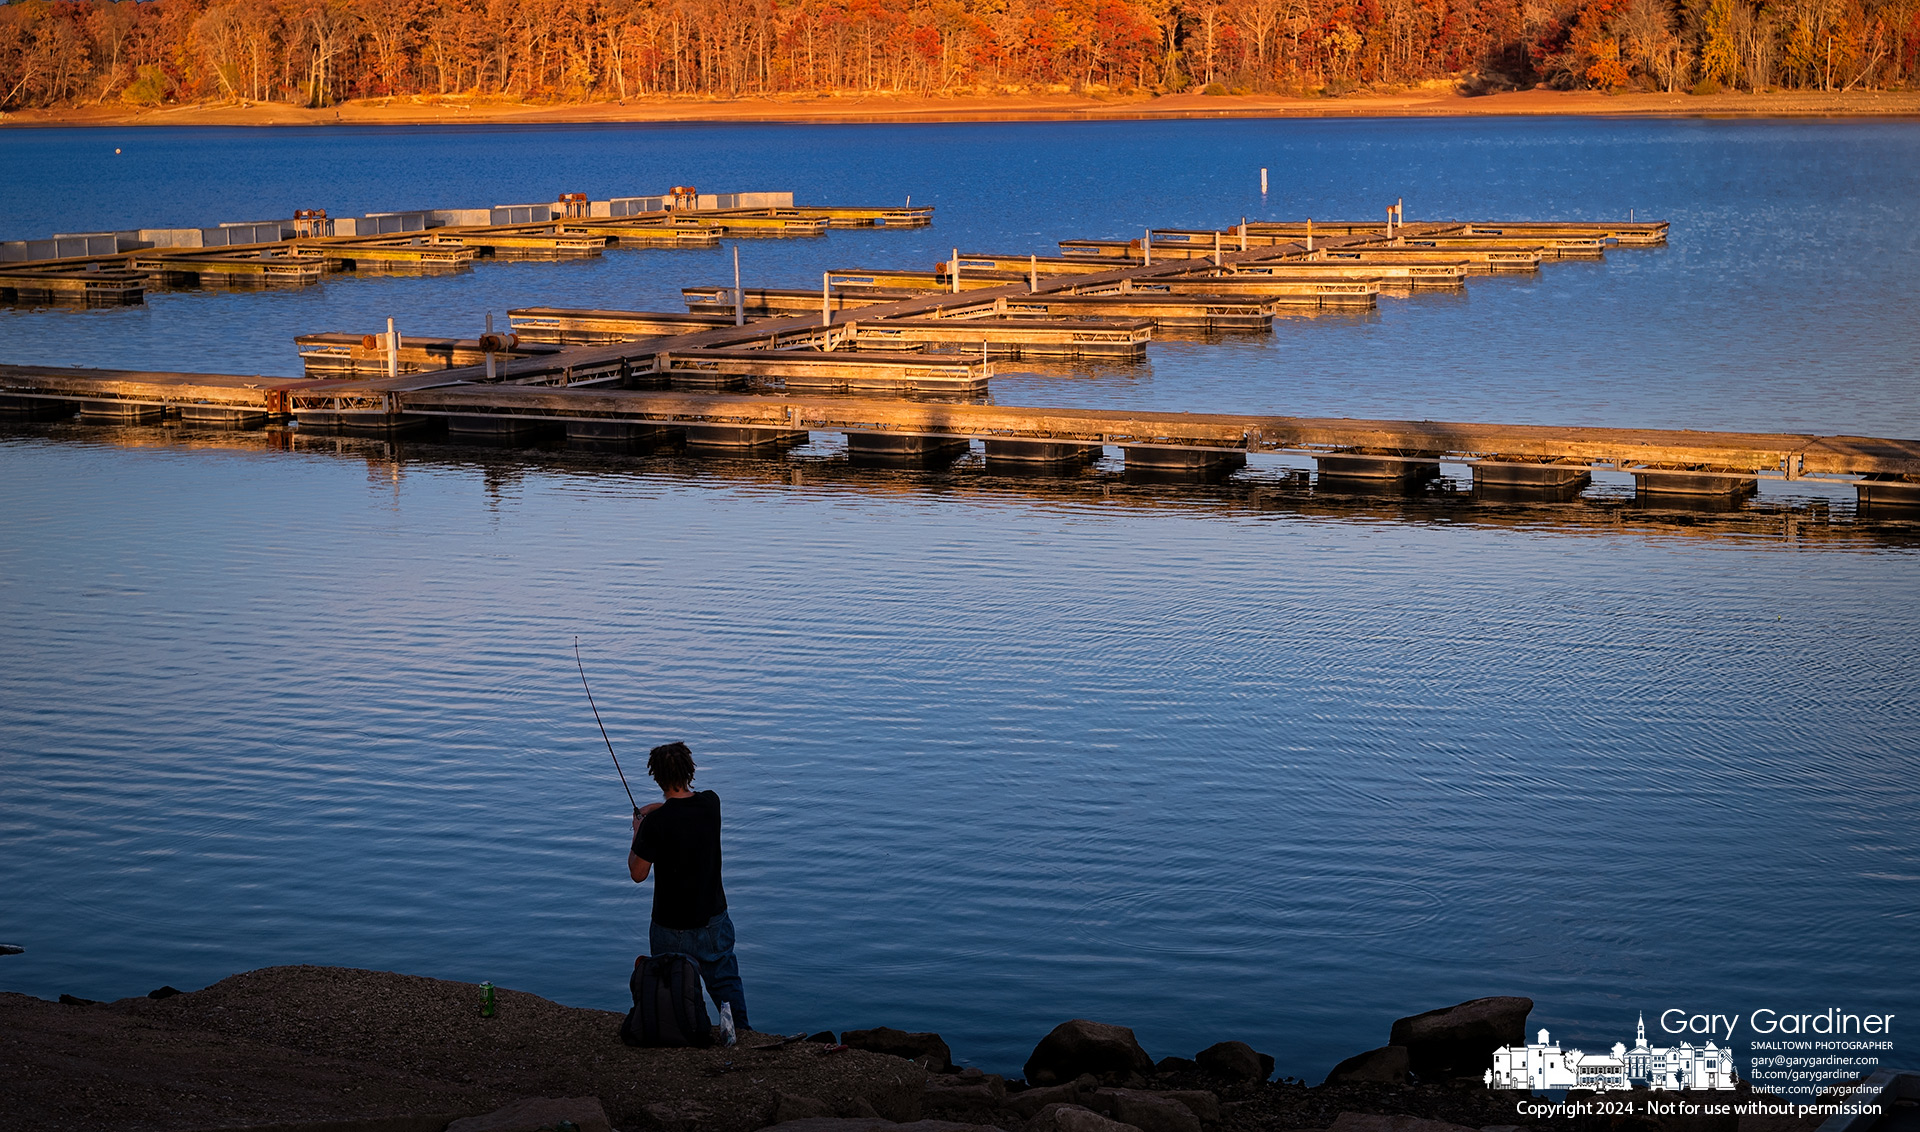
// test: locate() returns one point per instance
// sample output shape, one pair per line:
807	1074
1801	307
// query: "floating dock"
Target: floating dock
117	268
634	377
1540	457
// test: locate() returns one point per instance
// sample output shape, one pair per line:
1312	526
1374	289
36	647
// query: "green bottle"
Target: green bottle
486	1000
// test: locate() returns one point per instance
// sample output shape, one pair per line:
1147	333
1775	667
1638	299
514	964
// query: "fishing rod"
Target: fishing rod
603	727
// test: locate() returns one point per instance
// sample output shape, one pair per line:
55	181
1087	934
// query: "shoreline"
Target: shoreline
341	1048
434	110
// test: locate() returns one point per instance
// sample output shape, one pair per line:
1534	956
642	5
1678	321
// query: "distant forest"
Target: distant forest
317	52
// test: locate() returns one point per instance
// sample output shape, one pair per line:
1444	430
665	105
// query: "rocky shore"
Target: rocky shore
329	1049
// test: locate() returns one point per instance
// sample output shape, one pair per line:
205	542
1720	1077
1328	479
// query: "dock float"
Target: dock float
84	285
1003	337
1884	470
264	268
857	371
347	355
1161	310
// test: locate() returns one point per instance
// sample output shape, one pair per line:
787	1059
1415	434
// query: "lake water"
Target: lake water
1233	761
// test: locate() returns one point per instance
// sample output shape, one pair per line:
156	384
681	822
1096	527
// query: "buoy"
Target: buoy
116	151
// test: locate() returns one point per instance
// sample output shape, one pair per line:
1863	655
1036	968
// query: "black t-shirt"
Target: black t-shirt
682	840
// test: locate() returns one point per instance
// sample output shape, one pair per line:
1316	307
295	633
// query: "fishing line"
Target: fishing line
603	727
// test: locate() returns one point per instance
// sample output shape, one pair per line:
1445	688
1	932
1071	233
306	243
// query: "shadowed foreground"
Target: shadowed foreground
332	1049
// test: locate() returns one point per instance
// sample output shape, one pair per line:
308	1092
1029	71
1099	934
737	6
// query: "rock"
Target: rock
1387	1065
1074	1092
788	1107
960	1100
162	992
1073	1118
874	1124
967	1089
12	949
1175	1065
1368	1122
1080	1046
1149	1112
1236	1061
825	1036
899	1043
1200	1102
1458	1041
76	1000
540	1114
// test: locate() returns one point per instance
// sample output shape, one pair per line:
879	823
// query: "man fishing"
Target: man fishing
681	837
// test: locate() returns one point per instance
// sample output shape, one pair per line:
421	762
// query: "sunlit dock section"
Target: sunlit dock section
601	327
119	268
1204	312
349	355
1886	471
72	285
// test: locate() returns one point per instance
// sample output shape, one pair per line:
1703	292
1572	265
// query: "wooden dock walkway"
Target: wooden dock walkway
1889	466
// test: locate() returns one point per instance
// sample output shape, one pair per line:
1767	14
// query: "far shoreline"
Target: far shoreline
434	110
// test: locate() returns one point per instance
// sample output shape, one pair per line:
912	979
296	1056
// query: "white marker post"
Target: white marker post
489	344
953	269
1309	233
1243	233
1216	247
1033	273
1146	247
1263	180
393	350
739	296
826	307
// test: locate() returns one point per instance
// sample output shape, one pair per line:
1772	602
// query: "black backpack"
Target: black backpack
668	1008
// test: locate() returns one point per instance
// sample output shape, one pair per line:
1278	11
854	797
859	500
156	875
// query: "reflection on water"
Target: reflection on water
1806	512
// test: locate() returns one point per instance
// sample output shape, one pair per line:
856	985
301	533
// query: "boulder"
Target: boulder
1074	1092
1387	1065
1458	1041
1235	1061
1200	1102
1369	1122
1073	1118
824	1036
1080	1046
159	993
1175	1065
900	1043
540	1114
1149	1112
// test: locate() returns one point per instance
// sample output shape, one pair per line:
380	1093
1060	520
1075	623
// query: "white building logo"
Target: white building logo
1544	1065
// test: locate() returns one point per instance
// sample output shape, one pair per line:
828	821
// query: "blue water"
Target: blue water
1241	761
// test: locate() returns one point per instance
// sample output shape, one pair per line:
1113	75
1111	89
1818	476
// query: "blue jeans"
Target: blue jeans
711	947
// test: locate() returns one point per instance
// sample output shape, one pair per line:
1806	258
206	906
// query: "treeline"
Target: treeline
317	52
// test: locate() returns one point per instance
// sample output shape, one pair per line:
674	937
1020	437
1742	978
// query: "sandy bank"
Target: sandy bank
427	110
